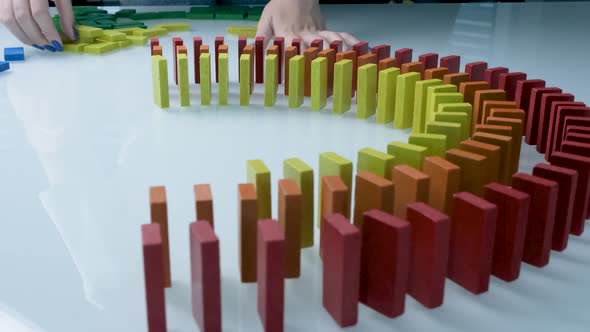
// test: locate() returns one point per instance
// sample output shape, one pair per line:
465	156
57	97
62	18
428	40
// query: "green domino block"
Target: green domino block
386	95
439	98
89	32
436	144
367	91
75	48
125	12
332	164
319	83
230	16
100	48
449	129
144	16
430	91
296	81
342	86
253	17
271	80
259	175
137	40
407	154
466	108
205	61
245	75
174	26
171	14
376	162
123	43
160	81
183	85
420	94
150	32
404	100
456	117
298	171
223	78
201	16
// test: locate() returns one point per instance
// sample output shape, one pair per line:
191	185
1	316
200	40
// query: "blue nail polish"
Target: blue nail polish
57	46
76	36
38	47
49	48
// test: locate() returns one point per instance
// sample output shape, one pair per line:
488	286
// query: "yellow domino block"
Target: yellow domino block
420	94
342	86
243	31
112	36
100	48
75	48
150	32
245	75
259	175
160	81
302	174
436	143
404	100
296	81
386	95
205	62
431	108
407	154
450	129
367	91
183	84
127	31
223	78
123	43
88	32
137	40
466	108
271	80
174	26
456	117
376	162
334	164
319	83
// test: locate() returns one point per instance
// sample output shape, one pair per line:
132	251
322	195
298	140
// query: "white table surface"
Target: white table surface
81	142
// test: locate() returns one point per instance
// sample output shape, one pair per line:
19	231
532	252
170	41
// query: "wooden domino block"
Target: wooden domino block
509	114
451	130
332	164
218	42
388	63
416	67
476	70
280	43
343	79
438	73
407	154
157	50
479	98
382	52
242	43
297	44
420	99
578	139
440	94
547	101
341	270
580	150
522	96
330	56
154	41
318	43
251	51
274	49
517	130
176	41
298	171
468	89
404	100
491	152
474	168
492	76
159	215
350	55
296	81
431	232
182	50
494	129
456	79
375	162
270	81
539	232
567	181
309	55
271	252
361	48
513	212
259	54
259	175
197	43
245	79
319	83
455	117
487	106
404	55
445	181
247	226
223	79
336	45
473	227
385	262
430	60
436	144
205	78
205	276
367	91
334	198
505	144
452	62
153	263
560	120
367	59
204	203
371	192
291	217
290	52
534	111
508	81
410	186
160	81
386	94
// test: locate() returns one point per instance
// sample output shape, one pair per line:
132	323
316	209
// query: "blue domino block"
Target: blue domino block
14	54
4	66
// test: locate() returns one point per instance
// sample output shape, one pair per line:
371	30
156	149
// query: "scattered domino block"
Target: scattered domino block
416	67
330	56
438	73
160	81
242	31
319	83
407	154
410	186
248	228
473	225
436	144
223	79
539	232
159	215
473	169
476	70
492	76
245	79
290	218
100	48
505	144
153	264
89	32
205	63
547	101
430	60
176	26
382	51
259	51
420	95
375	162
335	165
298	171
456	79
4	66
452	62
111	36
343	78
492	154
341	270
431	232
404	100
204	203
508	82
386	95
205	276
445	180
259	175
218	42
451	130
404	55
152	32
75	48
182	65
280	43
271	84
350	55
371	192
534	112
468	89
197	43
334	198
271	252
296	81
367	91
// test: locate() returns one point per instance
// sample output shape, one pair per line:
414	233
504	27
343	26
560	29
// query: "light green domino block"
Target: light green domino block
420	94
367	91
75	48
298	171
100	48
245	80
174	26
296	81
112	36
205	61
376	162
88	32
319	83
336	165
160	81
123	43
436	144
449	129
183	85
439	98
137	40
271	80
127	31
456	117
150	32
404	100
466	108
407	154
223	78
259	175
430	107
342	86
386	95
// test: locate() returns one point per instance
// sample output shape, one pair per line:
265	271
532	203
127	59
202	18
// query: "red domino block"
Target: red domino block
567	180
473	226
578	138
513	212
533	113
197	43
361	48
154	41
404	55
341	269
431	232
451	62
271	274
581	158
242	43
319	43
205	276
522	96
547	101
558	122
151	239
336	46
576	147
218	42
430	60
476	70
382	52
259	54
539	231
297	43
280	42
581	202
492	76
577	124
176	41
508	83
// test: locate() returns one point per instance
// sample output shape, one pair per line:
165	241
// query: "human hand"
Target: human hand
30	22
298	19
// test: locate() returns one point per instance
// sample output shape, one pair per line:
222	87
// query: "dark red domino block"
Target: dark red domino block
578	138
382	52
560	116
361	48
508	81
218	42
567	180
197	43
153	267
431	232
319	43
205	276
581	202
430	60
580	150
547	101
452	63
533	113
473	225
492	76
403	55
476	70
578	124
176	41
297	43
271	252
539	232
522	97
341	269
259	55
557	109
336	45
280	43
513	212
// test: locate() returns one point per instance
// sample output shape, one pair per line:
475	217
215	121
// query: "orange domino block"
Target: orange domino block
438	73
290	52
223	49
480	97
334	201
204	49
456	78
445	181
291	217
468	89
157	50
367	59
517	132
505	144
350	55
250	51
309	54
371	192
218	42
204	203
388	63
274	49
491	152
510	113
494	129
159	215
473	169
247	225
181	49
498	104
330	55
410	186
417	67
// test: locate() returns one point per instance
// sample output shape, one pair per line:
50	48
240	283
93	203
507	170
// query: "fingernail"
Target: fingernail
57	46
38	47
75	34
49	48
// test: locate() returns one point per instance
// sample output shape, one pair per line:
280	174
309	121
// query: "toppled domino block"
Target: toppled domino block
376	162
371	192
290	217
4	66
248	229
100	48
302	174
150	32
259	175
411	186
270	270
204	203
14	54
176	26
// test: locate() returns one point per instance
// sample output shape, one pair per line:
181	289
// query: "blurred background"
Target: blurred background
261	2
